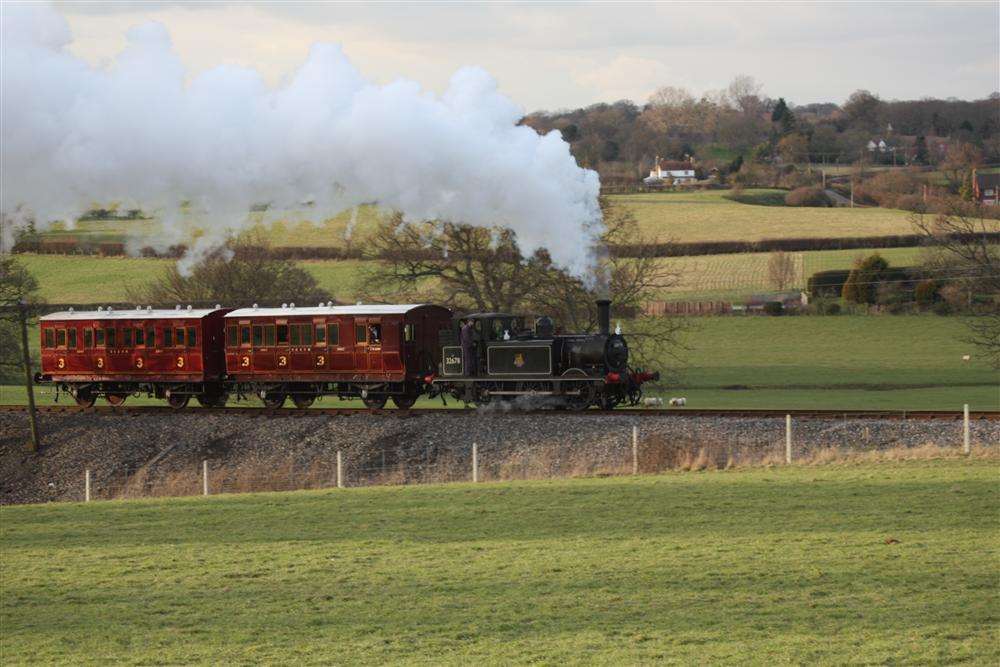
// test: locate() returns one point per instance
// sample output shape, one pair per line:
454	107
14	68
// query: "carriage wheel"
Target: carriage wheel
212	400
303	401
404	401
85	398
274	399
374	402
178	401
115	399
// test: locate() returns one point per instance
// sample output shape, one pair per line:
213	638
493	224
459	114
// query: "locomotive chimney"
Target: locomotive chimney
604	316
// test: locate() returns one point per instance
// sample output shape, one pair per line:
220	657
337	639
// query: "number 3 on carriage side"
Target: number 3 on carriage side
62	363
100	362
180	362
245	362
282	360
320	360
138	362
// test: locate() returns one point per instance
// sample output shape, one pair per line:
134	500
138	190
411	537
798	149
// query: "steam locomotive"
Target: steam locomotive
373	352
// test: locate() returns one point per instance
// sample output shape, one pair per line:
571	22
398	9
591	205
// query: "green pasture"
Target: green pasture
889	563
710	216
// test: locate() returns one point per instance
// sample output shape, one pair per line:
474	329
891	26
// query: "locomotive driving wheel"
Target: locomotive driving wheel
115	399
586	391
84	397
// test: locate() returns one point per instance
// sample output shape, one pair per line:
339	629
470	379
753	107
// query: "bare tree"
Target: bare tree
781	269
962	231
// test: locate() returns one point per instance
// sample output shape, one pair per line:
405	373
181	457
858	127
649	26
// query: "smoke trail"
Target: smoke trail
137	133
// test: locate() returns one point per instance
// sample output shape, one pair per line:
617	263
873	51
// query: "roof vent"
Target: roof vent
359	303
329	304
291	305
71	310
177	307
321	304
149	308
110	309
255	306
189	306
284	305
138	307
218	305
100	309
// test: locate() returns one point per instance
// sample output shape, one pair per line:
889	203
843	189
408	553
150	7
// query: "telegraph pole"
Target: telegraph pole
28	384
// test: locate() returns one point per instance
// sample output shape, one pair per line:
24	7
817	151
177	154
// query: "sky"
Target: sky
549	56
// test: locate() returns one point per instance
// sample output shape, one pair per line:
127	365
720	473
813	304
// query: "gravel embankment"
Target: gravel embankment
116	447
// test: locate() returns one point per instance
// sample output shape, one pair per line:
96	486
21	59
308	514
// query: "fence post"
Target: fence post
204	477
340	470
635	450
966	441
475	462
788	438
86	486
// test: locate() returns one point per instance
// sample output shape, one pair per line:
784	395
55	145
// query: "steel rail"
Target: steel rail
418	412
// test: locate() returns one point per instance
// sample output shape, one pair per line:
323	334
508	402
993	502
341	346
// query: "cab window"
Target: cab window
88	338
127	337
320	334
231	336
269	335
360	333
333	334
192	337
60	338
258	335
50	338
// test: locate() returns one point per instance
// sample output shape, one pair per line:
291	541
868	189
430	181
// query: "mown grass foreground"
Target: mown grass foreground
793	564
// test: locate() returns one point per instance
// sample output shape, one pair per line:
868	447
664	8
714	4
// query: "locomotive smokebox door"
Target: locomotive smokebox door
451	360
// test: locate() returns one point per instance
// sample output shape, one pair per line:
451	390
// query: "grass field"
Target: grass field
787	565
710	216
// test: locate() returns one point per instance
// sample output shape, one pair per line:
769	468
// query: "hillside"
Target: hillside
800	565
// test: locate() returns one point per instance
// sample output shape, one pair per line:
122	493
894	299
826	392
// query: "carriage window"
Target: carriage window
168	337
307	334
360	335
192	337
269	335
140	337
179	336
296	335
71	338
245	335
151	337
258	336
282	334
50	338
375	333
127	337
320	334
408	333
88	338
333	333
99	337
110	335
231	336
60	338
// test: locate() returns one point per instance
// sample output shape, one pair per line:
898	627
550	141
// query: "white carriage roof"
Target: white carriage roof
129	314
370	309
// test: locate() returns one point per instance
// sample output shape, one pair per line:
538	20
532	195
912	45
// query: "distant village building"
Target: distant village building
881	146
986	188
679	171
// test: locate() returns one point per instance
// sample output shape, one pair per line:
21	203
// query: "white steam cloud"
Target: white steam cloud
144	133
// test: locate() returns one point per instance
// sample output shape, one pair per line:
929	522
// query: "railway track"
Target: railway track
941	415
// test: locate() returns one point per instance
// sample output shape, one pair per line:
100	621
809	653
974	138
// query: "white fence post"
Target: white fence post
475	462
635	450
788	438
340	470
204	477
966	440
86	486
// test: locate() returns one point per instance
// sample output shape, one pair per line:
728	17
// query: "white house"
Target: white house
679	171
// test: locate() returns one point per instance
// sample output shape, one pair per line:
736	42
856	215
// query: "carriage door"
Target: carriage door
375	341
262	338
245	353
360	344
321	357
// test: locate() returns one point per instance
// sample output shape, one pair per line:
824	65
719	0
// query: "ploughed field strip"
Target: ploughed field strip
415	412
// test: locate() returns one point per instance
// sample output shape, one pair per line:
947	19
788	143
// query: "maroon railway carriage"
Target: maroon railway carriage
171	354
374	352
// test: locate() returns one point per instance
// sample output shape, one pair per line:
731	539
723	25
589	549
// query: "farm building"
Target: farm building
679	171
986	188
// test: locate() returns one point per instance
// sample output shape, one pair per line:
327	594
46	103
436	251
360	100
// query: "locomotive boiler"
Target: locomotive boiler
508	362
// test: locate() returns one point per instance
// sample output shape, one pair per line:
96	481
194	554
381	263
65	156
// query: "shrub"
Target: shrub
913	203
807	196
774	308
862	283
926	293
827	283
832	308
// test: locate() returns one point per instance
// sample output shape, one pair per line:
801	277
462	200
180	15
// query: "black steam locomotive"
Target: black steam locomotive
509	362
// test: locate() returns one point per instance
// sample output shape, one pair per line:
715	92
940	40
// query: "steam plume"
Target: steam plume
140	133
